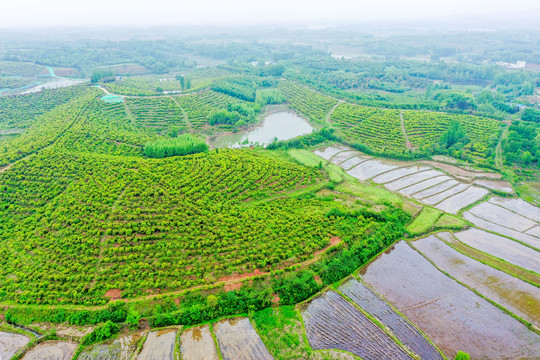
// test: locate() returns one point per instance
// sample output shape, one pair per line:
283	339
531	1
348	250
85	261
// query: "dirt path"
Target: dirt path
407	142
107	92
186	118
498	150
329	115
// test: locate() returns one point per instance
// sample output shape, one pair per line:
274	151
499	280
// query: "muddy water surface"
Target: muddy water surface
52	350
198	344
11	343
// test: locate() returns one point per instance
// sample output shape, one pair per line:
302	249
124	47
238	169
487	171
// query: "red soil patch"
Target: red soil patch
318	279
233	286
114	294
275	299
177	301
242	276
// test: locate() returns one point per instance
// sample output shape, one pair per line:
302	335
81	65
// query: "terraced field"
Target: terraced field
11	343
157	113
422	182
380	129
425	128
198	343
307	102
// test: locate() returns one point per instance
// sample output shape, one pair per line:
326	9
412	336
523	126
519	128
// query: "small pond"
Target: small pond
282	125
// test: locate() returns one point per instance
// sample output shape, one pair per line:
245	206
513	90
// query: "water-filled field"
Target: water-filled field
159	345
238	340
57	350
11	343
198	344
502	247
450	315
377	307
519	297
333	323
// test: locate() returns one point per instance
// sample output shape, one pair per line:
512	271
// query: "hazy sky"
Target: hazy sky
238	12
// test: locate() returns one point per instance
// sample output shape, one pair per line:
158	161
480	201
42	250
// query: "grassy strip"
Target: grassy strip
519	318
496	263
425	221
216	343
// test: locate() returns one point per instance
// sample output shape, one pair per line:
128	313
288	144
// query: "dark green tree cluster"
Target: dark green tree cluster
185	144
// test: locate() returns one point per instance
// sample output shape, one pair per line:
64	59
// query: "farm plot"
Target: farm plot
329	151
457	202
57	350
333	323
198	344
424	185
499	215
502	247
501	186
437	198
238	340
159	345
452	316
518	206
412	179
312	104
436	189
348	164
515	295
461	172
122	348
342	156
484	224
379	129
372	303
11	343
158	113
369	169
398	173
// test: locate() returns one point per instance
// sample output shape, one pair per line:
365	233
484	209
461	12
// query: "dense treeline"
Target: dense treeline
521	147
184	144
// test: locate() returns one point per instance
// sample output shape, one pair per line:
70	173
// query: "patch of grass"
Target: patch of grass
450	222
424	222
306	157
281	331
369	192
529	191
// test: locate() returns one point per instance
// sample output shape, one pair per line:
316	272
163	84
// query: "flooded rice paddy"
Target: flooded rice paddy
502	247
198	344
159	345
519	297
333	323
11	343
420	181
122	348
283	125
499	215
238	340
52	350
452	316
372	303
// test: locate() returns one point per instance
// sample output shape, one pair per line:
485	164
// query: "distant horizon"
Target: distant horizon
241	13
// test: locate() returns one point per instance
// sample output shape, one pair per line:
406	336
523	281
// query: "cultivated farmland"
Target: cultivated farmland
333	323
452	316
